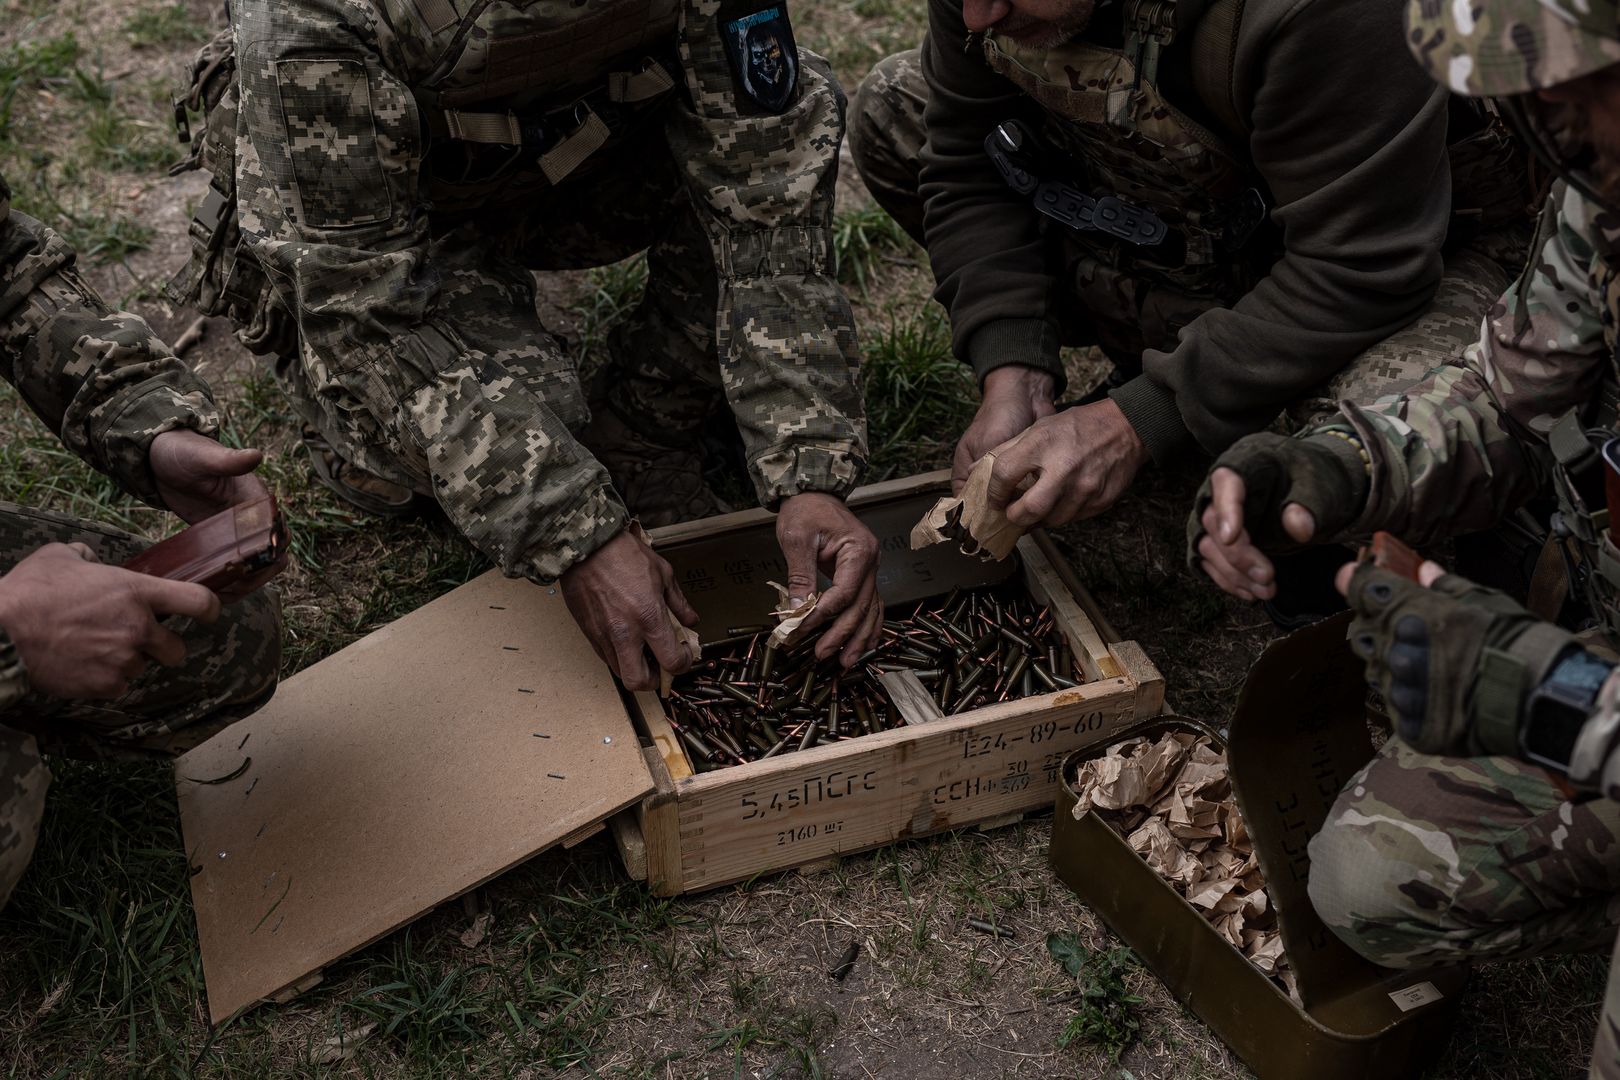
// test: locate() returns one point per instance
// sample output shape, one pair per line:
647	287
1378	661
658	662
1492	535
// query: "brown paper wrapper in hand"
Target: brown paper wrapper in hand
969	520
685	636
1173	800
790	620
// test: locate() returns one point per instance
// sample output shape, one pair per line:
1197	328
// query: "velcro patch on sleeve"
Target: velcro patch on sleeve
331	143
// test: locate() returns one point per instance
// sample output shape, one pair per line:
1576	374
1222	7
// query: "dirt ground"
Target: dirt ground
581	972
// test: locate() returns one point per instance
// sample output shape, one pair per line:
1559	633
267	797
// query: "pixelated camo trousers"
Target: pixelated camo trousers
1428	860
886	137
230	671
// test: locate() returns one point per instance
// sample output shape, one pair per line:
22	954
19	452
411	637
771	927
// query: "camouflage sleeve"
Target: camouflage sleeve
333	203
1463	448
784	330
100	379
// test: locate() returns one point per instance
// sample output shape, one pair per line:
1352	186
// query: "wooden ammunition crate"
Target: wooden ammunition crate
698	831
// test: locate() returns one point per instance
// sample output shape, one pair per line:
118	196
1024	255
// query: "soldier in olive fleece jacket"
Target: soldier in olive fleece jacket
1344	291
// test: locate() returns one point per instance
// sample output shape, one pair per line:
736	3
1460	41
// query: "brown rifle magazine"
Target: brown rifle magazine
233	553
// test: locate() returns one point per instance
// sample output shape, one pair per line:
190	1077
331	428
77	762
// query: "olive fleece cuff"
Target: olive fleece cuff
1151	410
1026	342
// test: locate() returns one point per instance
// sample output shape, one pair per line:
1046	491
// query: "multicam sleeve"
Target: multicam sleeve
333	203
1463	448
100	379
785	333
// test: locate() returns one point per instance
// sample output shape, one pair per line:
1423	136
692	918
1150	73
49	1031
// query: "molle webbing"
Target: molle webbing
560	151
439	15
562	154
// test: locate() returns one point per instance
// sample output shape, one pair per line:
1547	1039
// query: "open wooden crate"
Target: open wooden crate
375	787
698	831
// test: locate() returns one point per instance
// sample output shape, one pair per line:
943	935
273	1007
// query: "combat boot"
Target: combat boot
660	484
357	487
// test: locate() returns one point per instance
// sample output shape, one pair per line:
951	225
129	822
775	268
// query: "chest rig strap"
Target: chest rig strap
562	138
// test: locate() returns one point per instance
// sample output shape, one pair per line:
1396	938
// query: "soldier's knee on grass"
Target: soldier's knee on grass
23	780
257	663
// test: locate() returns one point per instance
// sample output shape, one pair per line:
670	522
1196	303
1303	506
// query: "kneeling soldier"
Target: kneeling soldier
97	661
1489	829
1247	207
385	177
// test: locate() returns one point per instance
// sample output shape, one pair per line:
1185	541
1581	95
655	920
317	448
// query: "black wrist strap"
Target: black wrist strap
1559	706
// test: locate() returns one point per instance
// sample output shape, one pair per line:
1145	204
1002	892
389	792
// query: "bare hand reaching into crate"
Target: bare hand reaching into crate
622	596
818	533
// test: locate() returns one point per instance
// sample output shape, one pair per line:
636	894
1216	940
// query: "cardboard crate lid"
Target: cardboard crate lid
412	766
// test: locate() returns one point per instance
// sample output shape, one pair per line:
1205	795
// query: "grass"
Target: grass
79	123
164	25
918	395
582	973
611	293
865	236
1106	1016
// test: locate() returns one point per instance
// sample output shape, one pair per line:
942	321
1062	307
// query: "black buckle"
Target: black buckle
1072	207
1245	214
1008	148
211	212
182	122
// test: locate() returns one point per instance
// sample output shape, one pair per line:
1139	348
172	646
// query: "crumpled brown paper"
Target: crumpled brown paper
790	620
969	520
684	635
1172	800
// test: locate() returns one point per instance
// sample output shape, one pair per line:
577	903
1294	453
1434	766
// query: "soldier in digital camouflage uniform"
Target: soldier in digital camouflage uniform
1490	828
385	177
1315	245
78	639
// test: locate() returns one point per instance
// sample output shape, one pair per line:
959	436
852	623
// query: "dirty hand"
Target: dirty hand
1083	459
1013	398
621	596
198	477
1453	660
84	629
818	533
1269	493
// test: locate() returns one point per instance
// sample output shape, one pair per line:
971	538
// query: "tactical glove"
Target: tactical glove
1455	662
1324	474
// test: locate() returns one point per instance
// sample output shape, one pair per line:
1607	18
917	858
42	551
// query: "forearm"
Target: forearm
784	331
1444	461
984	242
100	379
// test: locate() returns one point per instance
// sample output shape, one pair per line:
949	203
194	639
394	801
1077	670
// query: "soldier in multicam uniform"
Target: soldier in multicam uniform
97	661
385	175
1189	197
1490	828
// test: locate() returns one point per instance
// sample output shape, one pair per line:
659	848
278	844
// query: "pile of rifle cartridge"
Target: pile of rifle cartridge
747	701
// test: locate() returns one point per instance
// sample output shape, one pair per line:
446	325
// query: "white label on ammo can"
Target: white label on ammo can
1415	996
